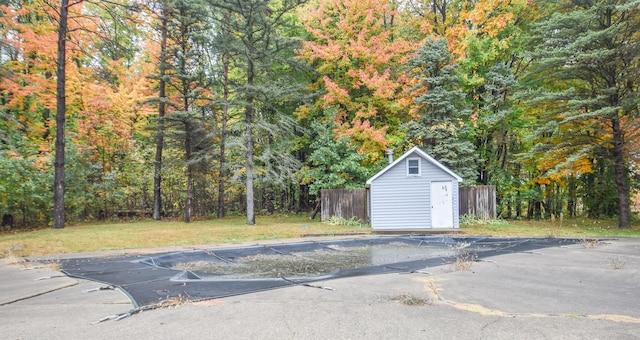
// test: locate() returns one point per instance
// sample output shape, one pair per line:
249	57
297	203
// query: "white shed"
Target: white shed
414	192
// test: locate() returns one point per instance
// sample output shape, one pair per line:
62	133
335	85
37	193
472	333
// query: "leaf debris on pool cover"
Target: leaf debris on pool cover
264	266
318	262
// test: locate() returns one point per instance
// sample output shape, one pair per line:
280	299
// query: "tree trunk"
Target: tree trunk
187	145
223	136
251	218
316	210
572	202
157	173
188	135
61	106
620	174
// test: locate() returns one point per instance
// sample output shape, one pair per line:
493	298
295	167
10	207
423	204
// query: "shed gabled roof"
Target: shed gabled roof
421	154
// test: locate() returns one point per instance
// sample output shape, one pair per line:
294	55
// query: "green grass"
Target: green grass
156	234
575	227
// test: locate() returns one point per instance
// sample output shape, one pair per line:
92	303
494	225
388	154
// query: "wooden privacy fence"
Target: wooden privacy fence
479	201
344	203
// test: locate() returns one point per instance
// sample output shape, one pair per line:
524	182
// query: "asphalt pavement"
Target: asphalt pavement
577	291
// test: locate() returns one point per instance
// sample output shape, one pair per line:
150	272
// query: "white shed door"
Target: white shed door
441	205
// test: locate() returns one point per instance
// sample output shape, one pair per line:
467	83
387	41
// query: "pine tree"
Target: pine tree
162	109
588	58
263	55
187	29
439	123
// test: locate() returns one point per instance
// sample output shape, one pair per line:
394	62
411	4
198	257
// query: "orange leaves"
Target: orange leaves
370	139
380	83
631	126
344	30
101	112
109	114
359	53
348	30
31	31
335	93
34	46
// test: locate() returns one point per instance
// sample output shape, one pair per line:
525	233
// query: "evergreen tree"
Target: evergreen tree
588	73
163	18
500	127
61	109
263	55
333	163
439	123
187	30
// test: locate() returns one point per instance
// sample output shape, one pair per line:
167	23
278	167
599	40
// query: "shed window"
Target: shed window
413	167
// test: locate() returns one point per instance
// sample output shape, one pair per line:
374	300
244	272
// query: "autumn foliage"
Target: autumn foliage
358	51
105	111
311	94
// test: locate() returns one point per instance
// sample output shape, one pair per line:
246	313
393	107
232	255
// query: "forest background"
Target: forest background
201	108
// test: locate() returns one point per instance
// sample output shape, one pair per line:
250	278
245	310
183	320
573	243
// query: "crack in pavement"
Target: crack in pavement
31	296
433	288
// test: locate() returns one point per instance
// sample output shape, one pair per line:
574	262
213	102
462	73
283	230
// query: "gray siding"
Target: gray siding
403	202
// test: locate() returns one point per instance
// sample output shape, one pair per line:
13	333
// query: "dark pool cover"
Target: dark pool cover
151	279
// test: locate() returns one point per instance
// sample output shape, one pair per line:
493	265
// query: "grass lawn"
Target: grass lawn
576	227
155	234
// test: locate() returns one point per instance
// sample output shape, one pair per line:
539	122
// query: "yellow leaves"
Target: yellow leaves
302	112
366	113
489	16
583	166
542	181
556	166
457	21
109	113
